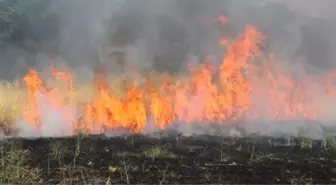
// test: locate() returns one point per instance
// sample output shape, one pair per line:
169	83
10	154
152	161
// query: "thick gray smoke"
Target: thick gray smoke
162	35
165	35
297	30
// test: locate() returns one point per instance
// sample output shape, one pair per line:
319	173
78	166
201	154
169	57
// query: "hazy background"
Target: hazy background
156	34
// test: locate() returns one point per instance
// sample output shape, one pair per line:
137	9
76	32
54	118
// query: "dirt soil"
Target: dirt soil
177	159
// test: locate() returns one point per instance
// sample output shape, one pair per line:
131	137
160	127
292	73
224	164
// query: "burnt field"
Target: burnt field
160	159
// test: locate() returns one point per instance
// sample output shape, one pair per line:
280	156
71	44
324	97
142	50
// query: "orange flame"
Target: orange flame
246	86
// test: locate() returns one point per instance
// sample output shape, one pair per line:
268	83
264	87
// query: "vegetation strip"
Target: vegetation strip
167	160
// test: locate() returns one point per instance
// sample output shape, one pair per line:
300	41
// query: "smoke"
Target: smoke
166	35
296	128
55	122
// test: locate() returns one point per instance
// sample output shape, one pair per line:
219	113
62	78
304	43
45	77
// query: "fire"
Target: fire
38	93
34	84
247	85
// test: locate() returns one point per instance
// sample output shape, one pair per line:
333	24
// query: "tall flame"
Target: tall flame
246	86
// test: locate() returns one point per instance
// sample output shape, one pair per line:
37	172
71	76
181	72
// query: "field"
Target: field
162	158
248	85
167	158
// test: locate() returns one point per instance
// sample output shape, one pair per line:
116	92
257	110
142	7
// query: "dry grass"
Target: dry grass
90	160
13	97
15	167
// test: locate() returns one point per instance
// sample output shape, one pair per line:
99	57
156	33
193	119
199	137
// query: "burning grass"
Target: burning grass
248	85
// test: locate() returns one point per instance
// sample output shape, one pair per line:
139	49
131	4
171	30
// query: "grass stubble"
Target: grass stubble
126	160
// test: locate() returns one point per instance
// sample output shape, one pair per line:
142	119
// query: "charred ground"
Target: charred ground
164	160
